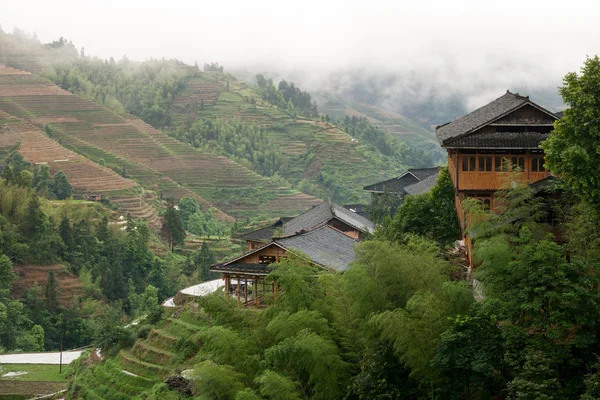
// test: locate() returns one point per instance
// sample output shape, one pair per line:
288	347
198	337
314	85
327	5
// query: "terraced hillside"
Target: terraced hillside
69	285
148	362
393	123
318	152
156	161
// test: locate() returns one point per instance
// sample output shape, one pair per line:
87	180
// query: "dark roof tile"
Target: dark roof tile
261	269
483	116
322	213
325	246
423	186
499	140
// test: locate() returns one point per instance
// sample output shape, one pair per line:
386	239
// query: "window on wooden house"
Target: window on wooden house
537	164
472	162
502	164
465	164
487	204
267	259
485	163
518	163
534	164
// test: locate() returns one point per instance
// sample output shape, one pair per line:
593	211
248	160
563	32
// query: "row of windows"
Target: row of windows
500	164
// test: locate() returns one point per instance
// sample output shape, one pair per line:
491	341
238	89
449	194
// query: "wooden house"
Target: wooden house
495	143
352	223
324	246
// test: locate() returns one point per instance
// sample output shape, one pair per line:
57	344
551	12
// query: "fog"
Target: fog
410	51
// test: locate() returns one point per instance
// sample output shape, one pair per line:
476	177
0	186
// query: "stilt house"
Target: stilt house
324	235
492	143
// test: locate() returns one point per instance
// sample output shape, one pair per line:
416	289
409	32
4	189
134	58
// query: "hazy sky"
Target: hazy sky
464	42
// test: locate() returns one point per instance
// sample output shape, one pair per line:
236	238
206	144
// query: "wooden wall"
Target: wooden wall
272	250
491	180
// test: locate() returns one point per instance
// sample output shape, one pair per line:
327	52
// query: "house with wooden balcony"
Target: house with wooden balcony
495	143
324	236
245	276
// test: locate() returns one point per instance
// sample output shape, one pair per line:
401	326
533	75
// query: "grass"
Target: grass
35	372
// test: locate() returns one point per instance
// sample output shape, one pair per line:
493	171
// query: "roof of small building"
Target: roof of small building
325	246
322	213
266	233
503	140
397	185
422	186
484	115
248	268
261	234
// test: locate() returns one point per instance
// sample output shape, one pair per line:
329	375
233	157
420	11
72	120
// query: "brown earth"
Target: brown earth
69	285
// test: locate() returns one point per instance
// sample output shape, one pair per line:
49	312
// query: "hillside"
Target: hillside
393	123
161	165
260	153
315	156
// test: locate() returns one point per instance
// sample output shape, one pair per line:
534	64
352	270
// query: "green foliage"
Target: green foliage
143	89
572	148
274	386
61	188
213	381
431	215
315	360
172	229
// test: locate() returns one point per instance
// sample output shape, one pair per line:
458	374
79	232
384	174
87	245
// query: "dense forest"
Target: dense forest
117	268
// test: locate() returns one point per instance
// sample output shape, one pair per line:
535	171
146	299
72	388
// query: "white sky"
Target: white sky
464	41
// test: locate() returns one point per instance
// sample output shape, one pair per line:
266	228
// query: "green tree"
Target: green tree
24	179
61	188
42	179
172	230
219	382
431	215
37	332
572	148
7	174
51	293
275	386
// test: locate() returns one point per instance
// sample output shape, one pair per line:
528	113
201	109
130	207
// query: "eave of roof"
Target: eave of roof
484	115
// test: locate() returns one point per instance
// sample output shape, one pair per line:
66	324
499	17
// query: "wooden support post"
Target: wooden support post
227	280
239	290
246	291
256	293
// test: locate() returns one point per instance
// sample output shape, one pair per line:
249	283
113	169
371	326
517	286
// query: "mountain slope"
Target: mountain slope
156	161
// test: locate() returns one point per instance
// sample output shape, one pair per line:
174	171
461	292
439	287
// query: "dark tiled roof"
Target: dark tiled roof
325	246
424	173
261	234
262	269
544	183
560	114
503	140
359	209
265	234
397	185
483	116
322	213
394	185
423	186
